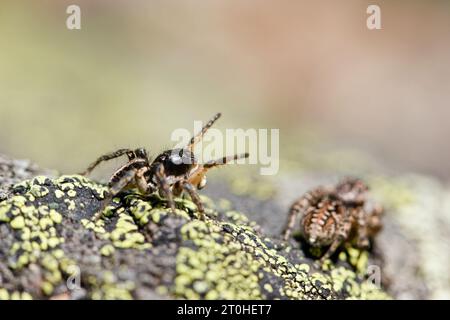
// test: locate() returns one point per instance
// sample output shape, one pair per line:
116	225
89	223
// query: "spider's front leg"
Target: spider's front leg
164	187
106	157
369	224
141	182
374	224
360	216
195	139
294	211
342	233
299	206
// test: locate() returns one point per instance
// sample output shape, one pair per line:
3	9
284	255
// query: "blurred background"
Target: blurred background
139	69
347	100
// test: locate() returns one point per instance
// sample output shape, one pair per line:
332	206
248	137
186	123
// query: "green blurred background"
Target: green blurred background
139	69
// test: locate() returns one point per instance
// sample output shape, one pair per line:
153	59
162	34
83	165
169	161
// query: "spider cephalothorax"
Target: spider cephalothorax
332	216
171	173
352	191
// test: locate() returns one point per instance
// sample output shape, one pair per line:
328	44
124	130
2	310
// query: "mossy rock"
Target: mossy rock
51	248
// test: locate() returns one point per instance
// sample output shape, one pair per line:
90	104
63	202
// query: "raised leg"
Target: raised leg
198	178
106	157
224	160
195	198
195	139
165	187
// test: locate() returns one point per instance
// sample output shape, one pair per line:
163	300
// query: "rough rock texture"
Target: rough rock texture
412	249
51	249
13	171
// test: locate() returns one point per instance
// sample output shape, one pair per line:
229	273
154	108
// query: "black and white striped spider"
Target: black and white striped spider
171	173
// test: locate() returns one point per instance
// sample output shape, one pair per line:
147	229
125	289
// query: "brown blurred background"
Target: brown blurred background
139	69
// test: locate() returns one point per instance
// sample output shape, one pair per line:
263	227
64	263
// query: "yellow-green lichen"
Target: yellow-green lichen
38	191
107	250
18	222
59	194
215	259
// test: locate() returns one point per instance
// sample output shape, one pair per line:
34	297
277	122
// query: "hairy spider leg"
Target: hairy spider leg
121	179
197	177
126	178
195	197
372	221
294	212
342	234
362	224
196	138
164	186
374	224
298	207
224	160
106	157
141	181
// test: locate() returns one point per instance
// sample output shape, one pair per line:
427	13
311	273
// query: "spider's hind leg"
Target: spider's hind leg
118	183
105	157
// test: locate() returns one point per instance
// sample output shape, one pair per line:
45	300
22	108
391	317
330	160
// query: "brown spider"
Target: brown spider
333	216
171	173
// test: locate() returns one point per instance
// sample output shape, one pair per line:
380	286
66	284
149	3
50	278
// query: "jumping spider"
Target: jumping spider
332	216
171	173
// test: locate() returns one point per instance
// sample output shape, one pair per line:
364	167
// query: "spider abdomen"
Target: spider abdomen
320	220
337	215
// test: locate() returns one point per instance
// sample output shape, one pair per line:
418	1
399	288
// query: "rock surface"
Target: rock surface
51	249
411	250
13	171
